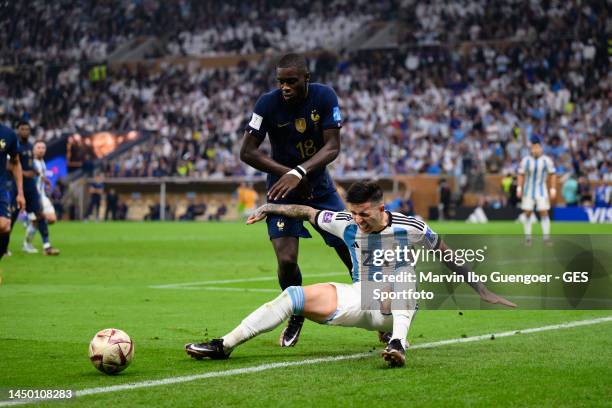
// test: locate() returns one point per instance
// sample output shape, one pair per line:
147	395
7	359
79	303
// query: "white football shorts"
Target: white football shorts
540	203
349	312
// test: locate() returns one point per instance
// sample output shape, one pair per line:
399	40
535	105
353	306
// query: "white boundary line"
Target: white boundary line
271	366
230	289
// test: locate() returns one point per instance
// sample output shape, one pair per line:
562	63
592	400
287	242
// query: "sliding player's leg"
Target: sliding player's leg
315	302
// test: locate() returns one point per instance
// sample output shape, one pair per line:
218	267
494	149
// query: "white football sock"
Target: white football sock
30	231
527	227
401	324
545	227
267	317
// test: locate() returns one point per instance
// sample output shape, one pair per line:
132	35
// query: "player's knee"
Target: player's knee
50	219
5	226
287	264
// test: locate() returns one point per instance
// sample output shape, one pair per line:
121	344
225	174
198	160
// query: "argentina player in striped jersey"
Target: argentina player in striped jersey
536	188
364	228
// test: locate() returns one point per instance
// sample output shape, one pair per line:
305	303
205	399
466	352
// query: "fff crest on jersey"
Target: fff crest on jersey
280	225
300	125
2	144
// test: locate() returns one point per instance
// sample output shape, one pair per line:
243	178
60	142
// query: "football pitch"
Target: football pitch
167	284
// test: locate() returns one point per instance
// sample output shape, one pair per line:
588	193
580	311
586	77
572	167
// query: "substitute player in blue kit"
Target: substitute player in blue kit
9	147
302	121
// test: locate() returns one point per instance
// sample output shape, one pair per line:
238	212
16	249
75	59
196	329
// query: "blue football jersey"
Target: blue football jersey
9	145
296	132
26	157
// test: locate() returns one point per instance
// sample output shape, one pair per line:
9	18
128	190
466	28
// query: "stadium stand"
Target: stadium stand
466	85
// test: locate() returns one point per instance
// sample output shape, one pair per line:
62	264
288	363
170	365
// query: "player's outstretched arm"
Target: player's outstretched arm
288	210
484	293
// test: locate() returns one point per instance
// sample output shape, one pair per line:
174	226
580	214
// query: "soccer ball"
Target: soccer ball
111	351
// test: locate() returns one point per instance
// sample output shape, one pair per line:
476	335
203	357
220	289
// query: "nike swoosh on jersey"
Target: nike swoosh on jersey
283	124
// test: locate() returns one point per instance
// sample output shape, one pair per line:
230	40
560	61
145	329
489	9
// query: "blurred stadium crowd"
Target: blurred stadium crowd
468	84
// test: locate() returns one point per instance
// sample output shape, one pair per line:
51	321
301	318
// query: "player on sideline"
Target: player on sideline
303	122
33	203
9	145
536	187
367	225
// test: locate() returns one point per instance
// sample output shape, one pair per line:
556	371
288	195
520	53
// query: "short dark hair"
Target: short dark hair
21	123
363	192
292	61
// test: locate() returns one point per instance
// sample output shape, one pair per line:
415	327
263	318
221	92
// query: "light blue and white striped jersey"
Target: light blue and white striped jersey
40	167
401	231
536	171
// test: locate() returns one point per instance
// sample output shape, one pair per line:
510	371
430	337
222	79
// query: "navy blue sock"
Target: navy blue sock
43	228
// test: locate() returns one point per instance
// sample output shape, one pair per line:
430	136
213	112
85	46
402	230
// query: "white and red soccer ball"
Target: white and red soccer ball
111	351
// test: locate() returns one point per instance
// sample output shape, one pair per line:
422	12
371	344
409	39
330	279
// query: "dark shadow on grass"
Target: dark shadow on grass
127	373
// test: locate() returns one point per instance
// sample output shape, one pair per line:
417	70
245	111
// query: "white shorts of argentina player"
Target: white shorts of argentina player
540	203
349	312
535	190
47	206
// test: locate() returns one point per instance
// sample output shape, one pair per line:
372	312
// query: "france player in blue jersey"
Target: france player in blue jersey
9	147
302	121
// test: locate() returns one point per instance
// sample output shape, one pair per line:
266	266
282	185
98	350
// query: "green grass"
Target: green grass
51	307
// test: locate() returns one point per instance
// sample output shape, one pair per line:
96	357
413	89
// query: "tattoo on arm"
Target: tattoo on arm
292	211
